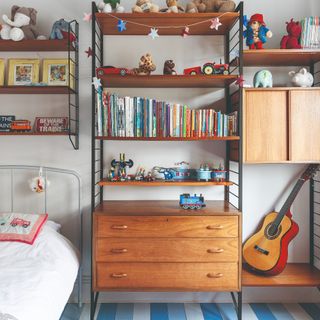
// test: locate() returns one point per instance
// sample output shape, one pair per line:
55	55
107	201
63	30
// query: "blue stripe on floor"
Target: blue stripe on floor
159	311
107	311
227	311
210	311
124	311
176	311
262	311
312	310
280	311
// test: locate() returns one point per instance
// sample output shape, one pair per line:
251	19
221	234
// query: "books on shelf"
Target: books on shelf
149	118
310	35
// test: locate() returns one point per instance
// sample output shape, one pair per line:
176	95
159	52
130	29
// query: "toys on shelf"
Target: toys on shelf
168	67
196	6
162	173
263	79
204	173
108	6
256	33
140	174
146	66
145	6
60	30
209	68
22	26
149	177
291	41
219	174
172	6
302	78
191	202
102	71
120	167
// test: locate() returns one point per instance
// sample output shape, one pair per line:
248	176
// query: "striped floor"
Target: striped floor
194	311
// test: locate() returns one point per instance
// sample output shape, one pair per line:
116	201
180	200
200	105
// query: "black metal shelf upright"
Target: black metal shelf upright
233	47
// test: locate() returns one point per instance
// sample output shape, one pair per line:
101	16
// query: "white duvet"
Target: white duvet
37	280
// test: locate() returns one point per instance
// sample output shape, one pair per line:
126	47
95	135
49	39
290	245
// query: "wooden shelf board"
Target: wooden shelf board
190	183
280	57
34	134
167	81
34	45
294	275
35	90
162	207
109	24
282	89
230	138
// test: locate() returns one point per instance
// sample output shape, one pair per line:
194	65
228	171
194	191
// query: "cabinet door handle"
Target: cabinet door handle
120	250
119	226
119	275
215	275
215	227
215	250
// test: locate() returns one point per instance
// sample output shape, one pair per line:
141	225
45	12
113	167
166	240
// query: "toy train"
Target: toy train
191	202
20	126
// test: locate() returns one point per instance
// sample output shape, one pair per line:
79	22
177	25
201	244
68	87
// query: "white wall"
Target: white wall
262	183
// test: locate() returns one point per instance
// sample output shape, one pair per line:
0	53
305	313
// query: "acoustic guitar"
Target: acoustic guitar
267	250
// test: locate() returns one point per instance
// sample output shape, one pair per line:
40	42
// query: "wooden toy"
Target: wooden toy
191	202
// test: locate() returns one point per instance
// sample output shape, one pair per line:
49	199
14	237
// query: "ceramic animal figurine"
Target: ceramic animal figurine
303	78
263	79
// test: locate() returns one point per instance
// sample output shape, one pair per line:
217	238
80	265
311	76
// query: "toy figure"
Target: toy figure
291	41
257	32
108	6
168	67
149	177
263	79
172	6
60	30
122	165
140	174
146	65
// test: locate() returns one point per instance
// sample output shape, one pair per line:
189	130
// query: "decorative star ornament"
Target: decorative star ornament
121	25
87	17
89	52
97	83
240	81
215	24
185	32
153	33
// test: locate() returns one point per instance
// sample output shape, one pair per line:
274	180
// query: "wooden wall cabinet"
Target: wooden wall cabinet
281	125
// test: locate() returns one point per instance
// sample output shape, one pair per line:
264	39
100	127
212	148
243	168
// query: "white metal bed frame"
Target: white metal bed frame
45	170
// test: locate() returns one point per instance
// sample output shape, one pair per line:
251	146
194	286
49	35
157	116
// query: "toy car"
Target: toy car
214	68
191	202
112	70
20	126
192	71
20	222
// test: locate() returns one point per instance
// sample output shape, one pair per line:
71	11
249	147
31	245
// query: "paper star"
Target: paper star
215	23
240	81
96	82
89	52
121	25
87	17
153	33
185	32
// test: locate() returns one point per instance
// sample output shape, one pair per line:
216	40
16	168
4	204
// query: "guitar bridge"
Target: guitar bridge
266	252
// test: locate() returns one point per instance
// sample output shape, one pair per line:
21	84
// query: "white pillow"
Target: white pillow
53	225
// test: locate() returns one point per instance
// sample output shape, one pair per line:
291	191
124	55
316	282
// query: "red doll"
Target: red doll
291	41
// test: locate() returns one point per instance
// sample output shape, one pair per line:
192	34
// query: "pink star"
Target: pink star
89	52
215	23
240	81
185	32
87	17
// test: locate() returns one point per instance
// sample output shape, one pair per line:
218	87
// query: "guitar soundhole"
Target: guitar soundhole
269	235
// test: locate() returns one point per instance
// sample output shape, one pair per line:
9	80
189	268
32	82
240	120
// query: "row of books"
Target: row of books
149	118
310	36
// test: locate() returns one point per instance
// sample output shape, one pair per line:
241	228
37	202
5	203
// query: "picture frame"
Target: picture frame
55	72
2	64
23	71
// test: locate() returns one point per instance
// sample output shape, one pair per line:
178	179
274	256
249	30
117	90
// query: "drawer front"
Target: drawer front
167	250
167	276
166	226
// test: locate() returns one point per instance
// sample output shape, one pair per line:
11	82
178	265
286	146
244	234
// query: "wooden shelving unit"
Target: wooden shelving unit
229	138
107	23
36	90
34	134
167	81
189	183
294	275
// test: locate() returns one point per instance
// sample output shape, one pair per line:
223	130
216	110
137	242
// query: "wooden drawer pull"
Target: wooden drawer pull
215	250
215	227
215	275
122	250
119	226
118	275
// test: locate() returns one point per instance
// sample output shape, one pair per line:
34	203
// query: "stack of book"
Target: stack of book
148	118
310	36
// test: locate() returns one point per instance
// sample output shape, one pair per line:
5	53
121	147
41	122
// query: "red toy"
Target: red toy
112	70
192	71
208	68
291	41
20	222
20	126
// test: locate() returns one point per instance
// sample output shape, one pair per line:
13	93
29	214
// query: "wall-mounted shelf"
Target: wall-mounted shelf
35	134
35	45
190	183
36	90
167	81
109	24
230	138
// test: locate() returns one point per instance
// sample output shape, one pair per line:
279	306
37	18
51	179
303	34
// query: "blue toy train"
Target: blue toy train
191	202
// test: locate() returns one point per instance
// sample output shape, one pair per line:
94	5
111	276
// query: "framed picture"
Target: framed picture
56	72
1	72
23	72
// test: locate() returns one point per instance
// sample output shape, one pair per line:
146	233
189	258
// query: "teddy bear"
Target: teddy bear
168	67
291	41
108	6
172	6
145	6
210	6
21	26
146	66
